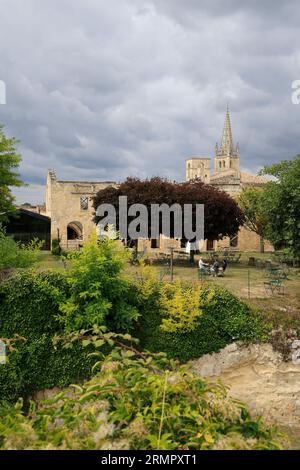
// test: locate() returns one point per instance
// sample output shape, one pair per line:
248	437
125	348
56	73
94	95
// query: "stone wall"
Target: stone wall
63	205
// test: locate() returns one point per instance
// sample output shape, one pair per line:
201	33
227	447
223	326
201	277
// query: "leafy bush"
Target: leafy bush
224	319
98	293
15	255
29	305
181	306
56	248
137	401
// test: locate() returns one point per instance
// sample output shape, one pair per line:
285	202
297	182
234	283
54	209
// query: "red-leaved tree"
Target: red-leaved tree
222	215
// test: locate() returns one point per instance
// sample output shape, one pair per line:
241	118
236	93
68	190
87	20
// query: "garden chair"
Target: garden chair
272	271
274	285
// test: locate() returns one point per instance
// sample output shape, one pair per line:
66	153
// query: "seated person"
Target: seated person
215	268
224	265
203	266
220	272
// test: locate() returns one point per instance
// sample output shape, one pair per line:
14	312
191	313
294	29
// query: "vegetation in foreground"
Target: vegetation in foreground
38	306
136	401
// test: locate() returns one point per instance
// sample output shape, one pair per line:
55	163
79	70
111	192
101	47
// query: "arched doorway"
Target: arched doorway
75	231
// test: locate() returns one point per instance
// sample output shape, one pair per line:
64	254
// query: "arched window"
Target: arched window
224	163
220	164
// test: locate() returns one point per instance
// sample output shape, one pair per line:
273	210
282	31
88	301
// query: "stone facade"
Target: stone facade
69	205
198	168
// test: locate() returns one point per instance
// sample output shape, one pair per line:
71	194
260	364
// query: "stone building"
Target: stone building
69	205
227	177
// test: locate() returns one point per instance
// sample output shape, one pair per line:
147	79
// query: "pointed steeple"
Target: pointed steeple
227	155
227	142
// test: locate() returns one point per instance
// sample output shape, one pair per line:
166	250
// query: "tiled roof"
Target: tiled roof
248	178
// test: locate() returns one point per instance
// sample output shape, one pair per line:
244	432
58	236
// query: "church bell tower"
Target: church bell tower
227	156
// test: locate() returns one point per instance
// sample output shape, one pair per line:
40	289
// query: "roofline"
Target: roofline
35	215
86	182
198	158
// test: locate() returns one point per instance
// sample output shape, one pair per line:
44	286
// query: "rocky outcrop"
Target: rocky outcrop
258	376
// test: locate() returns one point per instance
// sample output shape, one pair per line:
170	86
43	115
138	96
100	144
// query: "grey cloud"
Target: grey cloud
101	89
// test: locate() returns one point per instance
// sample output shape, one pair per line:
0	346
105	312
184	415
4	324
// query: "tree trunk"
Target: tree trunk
261	245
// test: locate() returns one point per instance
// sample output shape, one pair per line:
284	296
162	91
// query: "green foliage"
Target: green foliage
15	255
9	177
56	249
224	319
251	201
180	306
135	402
99	294
282	205
29	305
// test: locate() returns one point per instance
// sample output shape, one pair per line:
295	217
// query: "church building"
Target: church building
227	177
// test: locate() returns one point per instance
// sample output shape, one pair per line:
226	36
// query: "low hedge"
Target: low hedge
225	319
28	307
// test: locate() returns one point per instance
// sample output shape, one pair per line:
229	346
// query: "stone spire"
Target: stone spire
227	156
227	142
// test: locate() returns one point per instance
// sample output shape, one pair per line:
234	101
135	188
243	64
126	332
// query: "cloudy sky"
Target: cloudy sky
103	89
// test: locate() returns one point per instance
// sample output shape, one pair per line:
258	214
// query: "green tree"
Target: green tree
251	202
282	205
9	176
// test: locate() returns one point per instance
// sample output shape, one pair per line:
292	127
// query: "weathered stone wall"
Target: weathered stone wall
164	245
198	168
246	241
63	206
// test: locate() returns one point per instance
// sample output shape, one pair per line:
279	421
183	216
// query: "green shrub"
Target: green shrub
224	319
99	294
137	401
29	305
56	249
15	255
181	306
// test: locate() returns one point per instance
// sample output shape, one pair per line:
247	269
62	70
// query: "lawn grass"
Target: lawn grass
49	261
